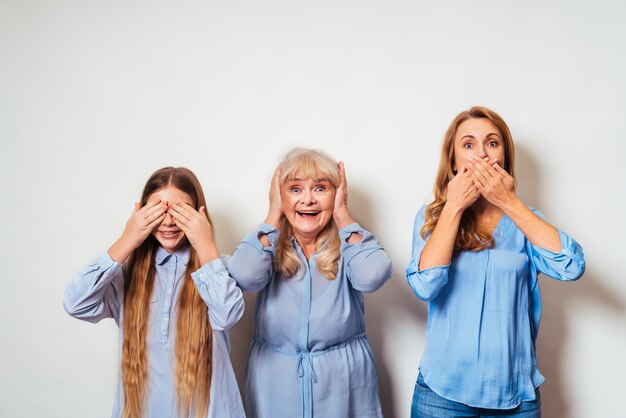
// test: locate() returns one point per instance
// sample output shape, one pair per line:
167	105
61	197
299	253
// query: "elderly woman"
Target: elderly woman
477	250
310	263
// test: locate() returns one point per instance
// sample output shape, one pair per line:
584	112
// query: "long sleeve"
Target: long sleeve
96	292
426	284
221	294
251	264
568	264
368	266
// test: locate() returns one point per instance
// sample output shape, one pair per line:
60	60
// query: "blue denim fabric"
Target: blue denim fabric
427	404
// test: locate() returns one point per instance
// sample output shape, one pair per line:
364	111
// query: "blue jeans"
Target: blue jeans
427	404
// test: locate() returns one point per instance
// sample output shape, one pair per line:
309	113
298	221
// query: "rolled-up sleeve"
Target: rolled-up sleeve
567	264
221	294
367	264
251	264
427	283
96	292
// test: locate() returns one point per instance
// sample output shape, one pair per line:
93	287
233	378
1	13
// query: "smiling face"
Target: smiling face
170	236
478	138
308	205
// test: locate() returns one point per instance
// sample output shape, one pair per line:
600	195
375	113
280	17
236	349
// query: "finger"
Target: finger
277	172
483	166
157	221
462	172
151	211
181	224
478	174
342	170
179	220
203	212
501	170
478	180
342	174
276	178
137	207
150	205
185	211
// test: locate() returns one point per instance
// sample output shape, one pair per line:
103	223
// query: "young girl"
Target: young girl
165	285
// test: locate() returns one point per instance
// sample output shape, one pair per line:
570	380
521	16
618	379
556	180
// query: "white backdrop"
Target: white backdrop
96	95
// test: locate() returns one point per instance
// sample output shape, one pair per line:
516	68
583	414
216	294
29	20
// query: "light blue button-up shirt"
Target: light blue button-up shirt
97	292
483	315
310	356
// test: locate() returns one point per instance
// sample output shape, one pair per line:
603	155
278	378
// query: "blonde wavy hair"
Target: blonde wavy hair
193	347
470	236
316	165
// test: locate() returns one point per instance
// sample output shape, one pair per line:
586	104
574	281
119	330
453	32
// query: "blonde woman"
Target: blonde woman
165	285
477	250
310	262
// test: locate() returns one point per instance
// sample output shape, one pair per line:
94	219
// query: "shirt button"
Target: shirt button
169	290
167	304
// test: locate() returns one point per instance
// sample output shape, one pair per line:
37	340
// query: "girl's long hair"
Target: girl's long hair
470	236
316	165
193	347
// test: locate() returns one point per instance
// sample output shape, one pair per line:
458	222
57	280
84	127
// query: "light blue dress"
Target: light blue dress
483	315
97	292
310	356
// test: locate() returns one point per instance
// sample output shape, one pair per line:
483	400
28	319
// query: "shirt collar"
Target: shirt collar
161	256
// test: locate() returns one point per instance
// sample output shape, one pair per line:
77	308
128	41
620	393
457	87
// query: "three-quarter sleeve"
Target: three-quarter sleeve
221	294
367	264
427	283
251	264
96	292
568	264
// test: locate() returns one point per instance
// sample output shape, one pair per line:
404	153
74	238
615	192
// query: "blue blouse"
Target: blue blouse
483	315
97	292
310	356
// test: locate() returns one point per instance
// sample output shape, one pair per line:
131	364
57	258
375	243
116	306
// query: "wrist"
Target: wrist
512	205
274	218
207	253
343	219
452	209
120	250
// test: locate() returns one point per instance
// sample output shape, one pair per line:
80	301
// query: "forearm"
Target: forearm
539	232
440	245
274	218
207	252
96	291
251	264
342	219
221	294
121	250
367	264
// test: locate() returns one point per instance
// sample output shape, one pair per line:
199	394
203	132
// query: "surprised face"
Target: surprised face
478	138
308	205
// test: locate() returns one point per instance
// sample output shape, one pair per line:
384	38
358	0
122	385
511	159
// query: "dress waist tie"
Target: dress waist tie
305	369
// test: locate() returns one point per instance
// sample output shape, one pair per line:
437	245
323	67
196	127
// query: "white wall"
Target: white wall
95	95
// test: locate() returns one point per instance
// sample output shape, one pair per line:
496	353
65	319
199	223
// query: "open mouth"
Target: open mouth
308	213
